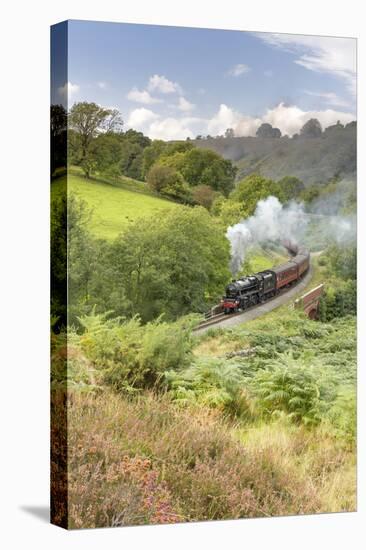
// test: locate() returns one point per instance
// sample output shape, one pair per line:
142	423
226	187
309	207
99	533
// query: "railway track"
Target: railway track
219	317
222	317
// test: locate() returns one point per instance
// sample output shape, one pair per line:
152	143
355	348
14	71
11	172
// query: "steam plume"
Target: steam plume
274	222
271	222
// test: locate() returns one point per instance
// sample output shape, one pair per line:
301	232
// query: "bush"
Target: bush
343	415
338	301
301	392
169	182
204	195
213	382
342	261
128	356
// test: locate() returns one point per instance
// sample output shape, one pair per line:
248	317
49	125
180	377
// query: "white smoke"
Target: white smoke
330	208
271	221
342	230
275	222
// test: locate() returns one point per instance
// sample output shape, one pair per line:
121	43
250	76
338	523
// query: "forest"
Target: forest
165	425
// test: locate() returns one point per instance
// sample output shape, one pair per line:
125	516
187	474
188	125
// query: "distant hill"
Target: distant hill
313	160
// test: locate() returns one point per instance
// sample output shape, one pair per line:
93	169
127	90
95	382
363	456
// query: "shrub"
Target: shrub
204	195
338	300
301	391
343	415
168	181
130	356
213	382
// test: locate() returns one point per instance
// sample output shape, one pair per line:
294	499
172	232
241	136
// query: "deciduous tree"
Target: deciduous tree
88	120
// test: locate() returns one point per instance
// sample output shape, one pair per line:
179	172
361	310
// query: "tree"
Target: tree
151	155
342	260
173	264
74	151
334	128
106	150
220	175
311	129
130	162
178	147
229	133
230	211
276	133
81	256
72	256
290	187
159	177
88	120
206	167
310	193
59	256
254	188
58	137
352	124
197	166
204	195
265	130
122	150
168	181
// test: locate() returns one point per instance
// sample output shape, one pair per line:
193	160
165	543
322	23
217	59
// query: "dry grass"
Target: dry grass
216	346
329	467
147	461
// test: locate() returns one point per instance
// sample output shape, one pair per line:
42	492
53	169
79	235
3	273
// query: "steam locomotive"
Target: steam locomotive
253	289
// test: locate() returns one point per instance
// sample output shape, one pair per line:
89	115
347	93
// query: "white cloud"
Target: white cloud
158	127
102	85
290	119
239	69
140	119
329	97
142	97
224	118
170	128
332	55
246	125
68	90
185	106
163	85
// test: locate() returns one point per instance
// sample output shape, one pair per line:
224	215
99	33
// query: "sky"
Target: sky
177	82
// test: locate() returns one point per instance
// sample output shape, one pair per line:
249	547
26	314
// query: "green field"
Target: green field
113	208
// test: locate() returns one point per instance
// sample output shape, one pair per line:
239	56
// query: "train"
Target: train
257	288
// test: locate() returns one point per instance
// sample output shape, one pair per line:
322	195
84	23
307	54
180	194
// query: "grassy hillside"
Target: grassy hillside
113	208
314	160
262	258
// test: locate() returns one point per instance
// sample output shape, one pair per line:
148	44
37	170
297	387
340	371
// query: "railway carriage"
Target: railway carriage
302	261
285	274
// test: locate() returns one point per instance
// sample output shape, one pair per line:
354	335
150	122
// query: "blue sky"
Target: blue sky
174	82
